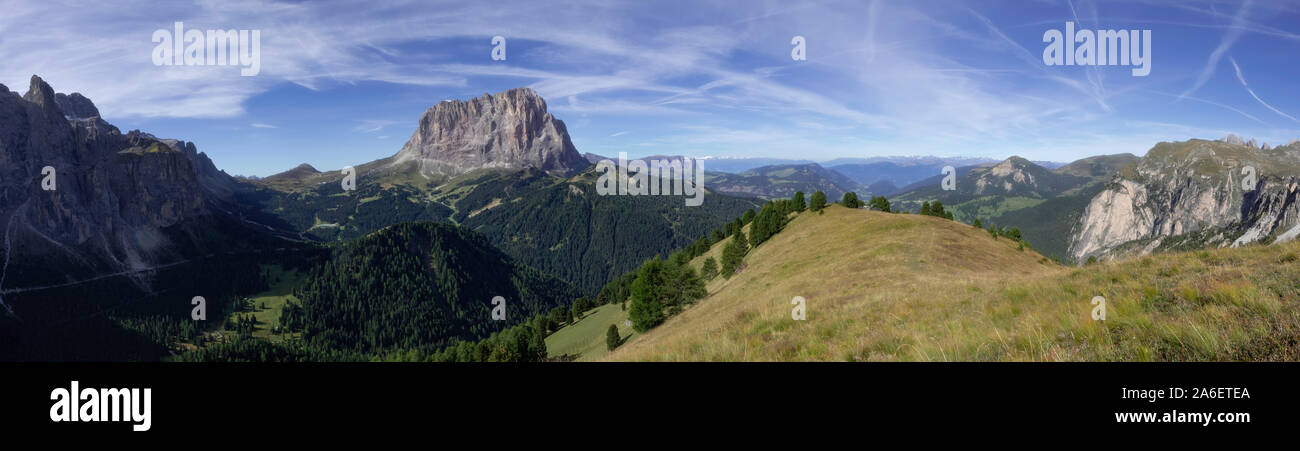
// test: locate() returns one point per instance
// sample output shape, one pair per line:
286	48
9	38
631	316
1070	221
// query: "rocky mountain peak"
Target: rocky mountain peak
1234	139
76	106
298	172
1008	175
509	130
40	93
1012	164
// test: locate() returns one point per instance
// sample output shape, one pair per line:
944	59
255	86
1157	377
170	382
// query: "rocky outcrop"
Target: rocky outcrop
507	130
1193	186
1271	209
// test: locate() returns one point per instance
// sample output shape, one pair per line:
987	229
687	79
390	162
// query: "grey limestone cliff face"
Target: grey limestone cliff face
1193	186
113	195
508	130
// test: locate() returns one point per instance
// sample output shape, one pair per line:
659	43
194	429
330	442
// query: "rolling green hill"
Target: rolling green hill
884	286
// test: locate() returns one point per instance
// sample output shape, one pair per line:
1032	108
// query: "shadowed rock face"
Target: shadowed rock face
114	192
508	130
1192	186
76	106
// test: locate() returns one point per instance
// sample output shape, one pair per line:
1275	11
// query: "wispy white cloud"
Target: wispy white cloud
1230	37
261	125
373	125
1242	79
1217	104
881	76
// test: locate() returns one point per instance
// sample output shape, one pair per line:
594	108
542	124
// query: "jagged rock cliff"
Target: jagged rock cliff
114	192
508	130
1193	186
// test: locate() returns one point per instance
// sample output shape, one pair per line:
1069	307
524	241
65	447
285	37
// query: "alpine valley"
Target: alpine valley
106	265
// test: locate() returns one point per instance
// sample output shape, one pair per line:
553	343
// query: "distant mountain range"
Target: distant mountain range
897	171
733	165
783	181
769	178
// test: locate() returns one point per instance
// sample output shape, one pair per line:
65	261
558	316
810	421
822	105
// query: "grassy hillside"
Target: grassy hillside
585	340
907	287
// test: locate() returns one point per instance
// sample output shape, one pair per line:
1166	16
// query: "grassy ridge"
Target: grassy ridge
908	287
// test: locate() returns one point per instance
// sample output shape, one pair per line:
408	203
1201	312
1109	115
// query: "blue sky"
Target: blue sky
343	83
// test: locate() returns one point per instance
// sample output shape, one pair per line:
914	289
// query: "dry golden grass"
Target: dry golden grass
907	287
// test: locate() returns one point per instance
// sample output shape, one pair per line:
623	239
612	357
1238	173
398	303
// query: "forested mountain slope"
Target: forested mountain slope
416	286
